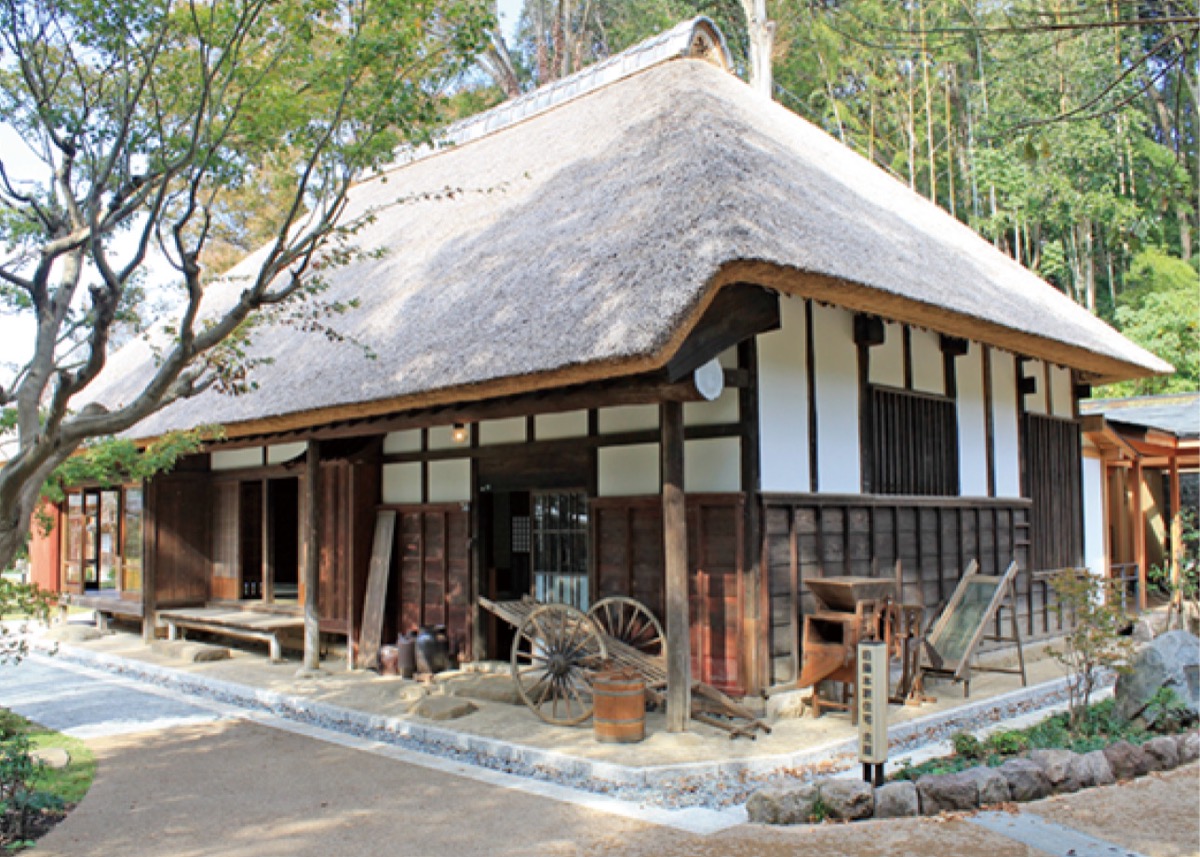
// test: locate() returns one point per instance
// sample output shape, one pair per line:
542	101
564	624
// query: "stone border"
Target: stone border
1032	776
712	784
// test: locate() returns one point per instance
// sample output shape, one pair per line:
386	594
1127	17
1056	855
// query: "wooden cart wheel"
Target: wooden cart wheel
555	652
632	623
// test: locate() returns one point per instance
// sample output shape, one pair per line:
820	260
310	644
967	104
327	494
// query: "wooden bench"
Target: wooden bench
104	606
240	624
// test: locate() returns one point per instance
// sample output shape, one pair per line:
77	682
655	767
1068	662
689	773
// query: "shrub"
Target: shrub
967	745
1007	743
1094	642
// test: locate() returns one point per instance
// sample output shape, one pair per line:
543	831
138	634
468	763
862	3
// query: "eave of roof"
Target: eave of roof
591	238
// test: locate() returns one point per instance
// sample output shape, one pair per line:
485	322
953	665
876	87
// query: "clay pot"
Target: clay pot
406	644
433	649
389	659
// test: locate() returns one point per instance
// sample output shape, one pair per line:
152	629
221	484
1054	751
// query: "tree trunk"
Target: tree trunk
761	32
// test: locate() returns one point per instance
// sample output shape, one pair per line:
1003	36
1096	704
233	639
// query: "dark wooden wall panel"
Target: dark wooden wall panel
808	536
181	541
1053	480
431	563
334	546
627	547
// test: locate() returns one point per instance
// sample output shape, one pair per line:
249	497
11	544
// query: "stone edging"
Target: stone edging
712	784
1035	775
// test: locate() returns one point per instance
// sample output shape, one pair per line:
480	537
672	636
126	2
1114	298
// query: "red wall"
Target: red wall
44	551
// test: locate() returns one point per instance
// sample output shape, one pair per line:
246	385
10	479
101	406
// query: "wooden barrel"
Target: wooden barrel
619	707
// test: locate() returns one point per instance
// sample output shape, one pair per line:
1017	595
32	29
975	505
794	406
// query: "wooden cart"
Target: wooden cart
557	649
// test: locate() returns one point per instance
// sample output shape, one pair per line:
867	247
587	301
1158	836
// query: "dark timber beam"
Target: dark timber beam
646	390
679	654
736	314
312	557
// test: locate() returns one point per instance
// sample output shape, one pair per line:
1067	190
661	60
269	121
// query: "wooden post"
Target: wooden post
149	563
312	557
679	655
1139	531
752	653
1176	534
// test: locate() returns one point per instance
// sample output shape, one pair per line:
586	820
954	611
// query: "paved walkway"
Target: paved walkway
184	777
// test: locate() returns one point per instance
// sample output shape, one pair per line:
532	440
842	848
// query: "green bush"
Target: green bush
1094	728
967	745
1008	743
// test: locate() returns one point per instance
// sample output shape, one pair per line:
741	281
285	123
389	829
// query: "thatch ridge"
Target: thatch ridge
588	239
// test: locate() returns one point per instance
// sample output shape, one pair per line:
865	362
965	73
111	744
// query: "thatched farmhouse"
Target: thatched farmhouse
648	279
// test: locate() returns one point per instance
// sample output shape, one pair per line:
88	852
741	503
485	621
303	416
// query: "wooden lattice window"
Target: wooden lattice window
1051	478
560	563
915	443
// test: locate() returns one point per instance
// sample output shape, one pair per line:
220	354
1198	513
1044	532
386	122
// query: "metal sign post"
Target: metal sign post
872	693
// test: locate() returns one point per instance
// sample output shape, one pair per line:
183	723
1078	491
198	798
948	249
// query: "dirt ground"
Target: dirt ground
238	789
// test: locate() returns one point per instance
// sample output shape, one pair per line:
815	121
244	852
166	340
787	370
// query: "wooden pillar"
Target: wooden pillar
312	557
1139	531
753	652
149	562
679	654
1176	532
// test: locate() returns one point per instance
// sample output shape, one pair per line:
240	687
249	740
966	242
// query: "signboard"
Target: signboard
872	693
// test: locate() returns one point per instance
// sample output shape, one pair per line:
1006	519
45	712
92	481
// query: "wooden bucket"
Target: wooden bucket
619	707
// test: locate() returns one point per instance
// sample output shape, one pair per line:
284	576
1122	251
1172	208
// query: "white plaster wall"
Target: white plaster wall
627	471
282	452
723	410
972	424
783	402
402	441
502	431
552	426
1005	437
928	369
442	437
728	358
235	459
627	418
1063	392
838	465
887	360
450	481
712	465
1035	402
402	483
1094	553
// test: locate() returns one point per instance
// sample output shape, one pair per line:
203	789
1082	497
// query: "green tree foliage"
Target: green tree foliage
1160	310
20	604
159	124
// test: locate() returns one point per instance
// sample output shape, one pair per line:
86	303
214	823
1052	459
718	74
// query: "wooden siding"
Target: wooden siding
333	568
627	556
432	564
1052	453
809	536
178	539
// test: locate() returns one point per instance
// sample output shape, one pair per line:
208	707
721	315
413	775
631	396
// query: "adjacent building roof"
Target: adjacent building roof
1177	413
587	234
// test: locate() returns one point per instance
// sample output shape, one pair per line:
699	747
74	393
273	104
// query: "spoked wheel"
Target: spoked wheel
555	652
632	623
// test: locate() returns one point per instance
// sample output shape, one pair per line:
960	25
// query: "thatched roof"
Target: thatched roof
589	237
